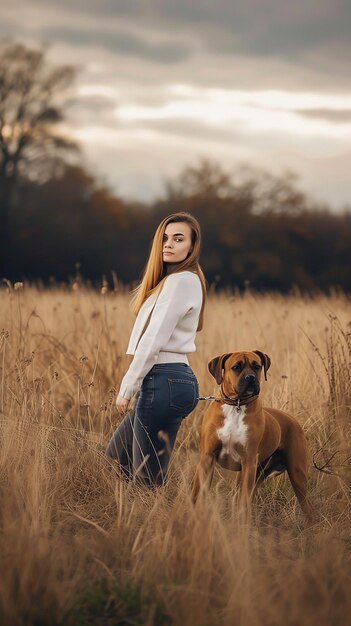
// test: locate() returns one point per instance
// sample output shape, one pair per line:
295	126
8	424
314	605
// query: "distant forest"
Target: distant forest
56	218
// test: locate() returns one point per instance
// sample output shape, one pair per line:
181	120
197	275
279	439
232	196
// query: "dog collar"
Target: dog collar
238	401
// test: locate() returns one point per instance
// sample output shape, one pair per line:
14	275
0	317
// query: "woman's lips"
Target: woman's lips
168	253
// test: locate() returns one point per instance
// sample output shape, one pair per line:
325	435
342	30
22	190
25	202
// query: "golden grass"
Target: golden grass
81	546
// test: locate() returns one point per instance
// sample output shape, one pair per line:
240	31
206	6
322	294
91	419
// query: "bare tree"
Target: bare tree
207	178
32	98
256	188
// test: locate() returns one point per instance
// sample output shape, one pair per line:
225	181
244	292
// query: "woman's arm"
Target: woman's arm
174	301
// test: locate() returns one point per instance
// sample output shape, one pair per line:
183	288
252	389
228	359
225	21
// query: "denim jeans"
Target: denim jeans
143	441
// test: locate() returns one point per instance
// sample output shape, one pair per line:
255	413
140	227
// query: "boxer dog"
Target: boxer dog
241	435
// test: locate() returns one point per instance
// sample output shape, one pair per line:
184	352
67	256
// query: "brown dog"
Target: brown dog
241	435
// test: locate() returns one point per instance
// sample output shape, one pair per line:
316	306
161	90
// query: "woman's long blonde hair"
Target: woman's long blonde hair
155	270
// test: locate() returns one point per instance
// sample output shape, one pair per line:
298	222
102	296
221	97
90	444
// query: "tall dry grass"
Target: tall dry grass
80	546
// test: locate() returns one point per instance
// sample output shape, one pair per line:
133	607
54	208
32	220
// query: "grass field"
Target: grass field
80	546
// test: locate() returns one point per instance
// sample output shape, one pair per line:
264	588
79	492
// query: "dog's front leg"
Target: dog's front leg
247	485
203	475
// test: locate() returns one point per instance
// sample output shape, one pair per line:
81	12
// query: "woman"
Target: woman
169	305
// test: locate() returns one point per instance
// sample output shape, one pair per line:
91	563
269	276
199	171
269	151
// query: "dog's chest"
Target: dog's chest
233	431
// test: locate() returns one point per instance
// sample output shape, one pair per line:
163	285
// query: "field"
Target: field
80	546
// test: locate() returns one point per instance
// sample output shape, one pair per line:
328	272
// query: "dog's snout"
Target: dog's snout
250	378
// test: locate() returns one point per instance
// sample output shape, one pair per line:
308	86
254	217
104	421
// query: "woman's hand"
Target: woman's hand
122	404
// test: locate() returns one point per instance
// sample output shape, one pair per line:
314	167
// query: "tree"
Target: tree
31	106
207	179
271	193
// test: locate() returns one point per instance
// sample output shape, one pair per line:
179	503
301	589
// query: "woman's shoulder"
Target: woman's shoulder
185	276
186	283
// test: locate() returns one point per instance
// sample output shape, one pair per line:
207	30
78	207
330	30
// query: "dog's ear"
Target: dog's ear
216	366
265	360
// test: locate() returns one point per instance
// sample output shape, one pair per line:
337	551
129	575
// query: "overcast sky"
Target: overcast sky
162	83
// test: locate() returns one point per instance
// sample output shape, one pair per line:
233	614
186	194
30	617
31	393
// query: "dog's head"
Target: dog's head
240	371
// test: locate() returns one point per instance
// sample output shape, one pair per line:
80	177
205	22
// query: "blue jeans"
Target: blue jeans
143	441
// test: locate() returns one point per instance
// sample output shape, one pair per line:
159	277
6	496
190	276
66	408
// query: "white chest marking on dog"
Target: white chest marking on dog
234	430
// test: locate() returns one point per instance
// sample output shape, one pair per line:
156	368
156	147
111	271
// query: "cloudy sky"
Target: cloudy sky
163	83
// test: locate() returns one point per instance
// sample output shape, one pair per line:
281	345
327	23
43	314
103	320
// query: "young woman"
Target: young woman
169	305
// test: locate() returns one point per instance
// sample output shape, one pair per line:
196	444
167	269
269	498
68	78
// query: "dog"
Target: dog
241	435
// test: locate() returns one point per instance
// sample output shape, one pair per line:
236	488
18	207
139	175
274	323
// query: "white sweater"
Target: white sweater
171	329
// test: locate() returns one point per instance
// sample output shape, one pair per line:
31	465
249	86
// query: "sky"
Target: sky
162	84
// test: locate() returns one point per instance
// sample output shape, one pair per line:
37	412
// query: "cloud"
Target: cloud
269	44
302	30
331	115
120	42
253	112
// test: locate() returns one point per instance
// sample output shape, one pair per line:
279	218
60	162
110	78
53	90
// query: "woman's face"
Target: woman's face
176	242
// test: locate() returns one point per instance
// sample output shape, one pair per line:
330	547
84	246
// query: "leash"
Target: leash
237	401
206	398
